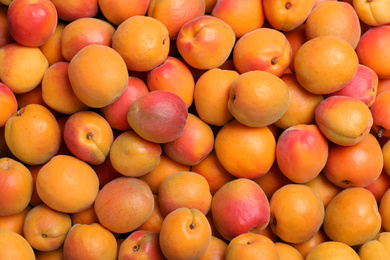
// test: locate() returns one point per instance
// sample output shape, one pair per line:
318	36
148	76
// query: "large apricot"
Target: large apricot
142	41
15	246
334	18
98	75
357	165
185	234
16	185
67	184
239	147
352	217
297	213
333	250
265	49
33	134
325	64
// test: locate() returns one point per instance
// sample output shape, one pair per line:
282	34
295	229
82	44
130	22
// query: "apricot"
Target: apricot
57	91
205	42
211	96
52	48
174	14
193	145
305	247
5	35
287	251
357	207
215	250
384	210
119	10
67	184
154	222
165	168
379	187
123	204
386	157
238	148
373	13
301	152
334	18
286	16
363	86
175	76
42	20
21	67
326	189
159	116
46	229
184	189
258	98
76	9
89	241
98	75
142	41
272	180
83	32
213	171
86	216
379	111
16	186
88	136
33	134
296	213
357	165
141	244
243	17
377	248
8	104
373	51
343	120
185	234
296	38
15	246
332	249
316	68
14	222
251	246
238	207
264	49
301	105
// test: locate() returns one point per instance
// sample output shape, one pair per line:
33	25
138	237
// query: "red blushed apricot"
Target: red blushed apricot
119	10
32	23
373	50
5	35
193	145
301	152
238	207
175	76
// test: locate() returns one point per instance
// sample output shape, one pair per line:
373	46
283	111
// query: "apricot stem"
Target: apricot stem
89	136
44	235
274	61
248	243
287	5
380	132
135	248
192	226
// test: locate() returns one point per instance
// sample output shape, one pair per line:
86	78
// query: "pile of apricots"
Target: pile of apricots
194	129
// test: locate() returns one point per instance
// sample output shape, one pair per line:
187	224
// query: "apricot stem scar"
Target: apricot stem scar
89	136
287	5
274	61
192	226
136	248
44	235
